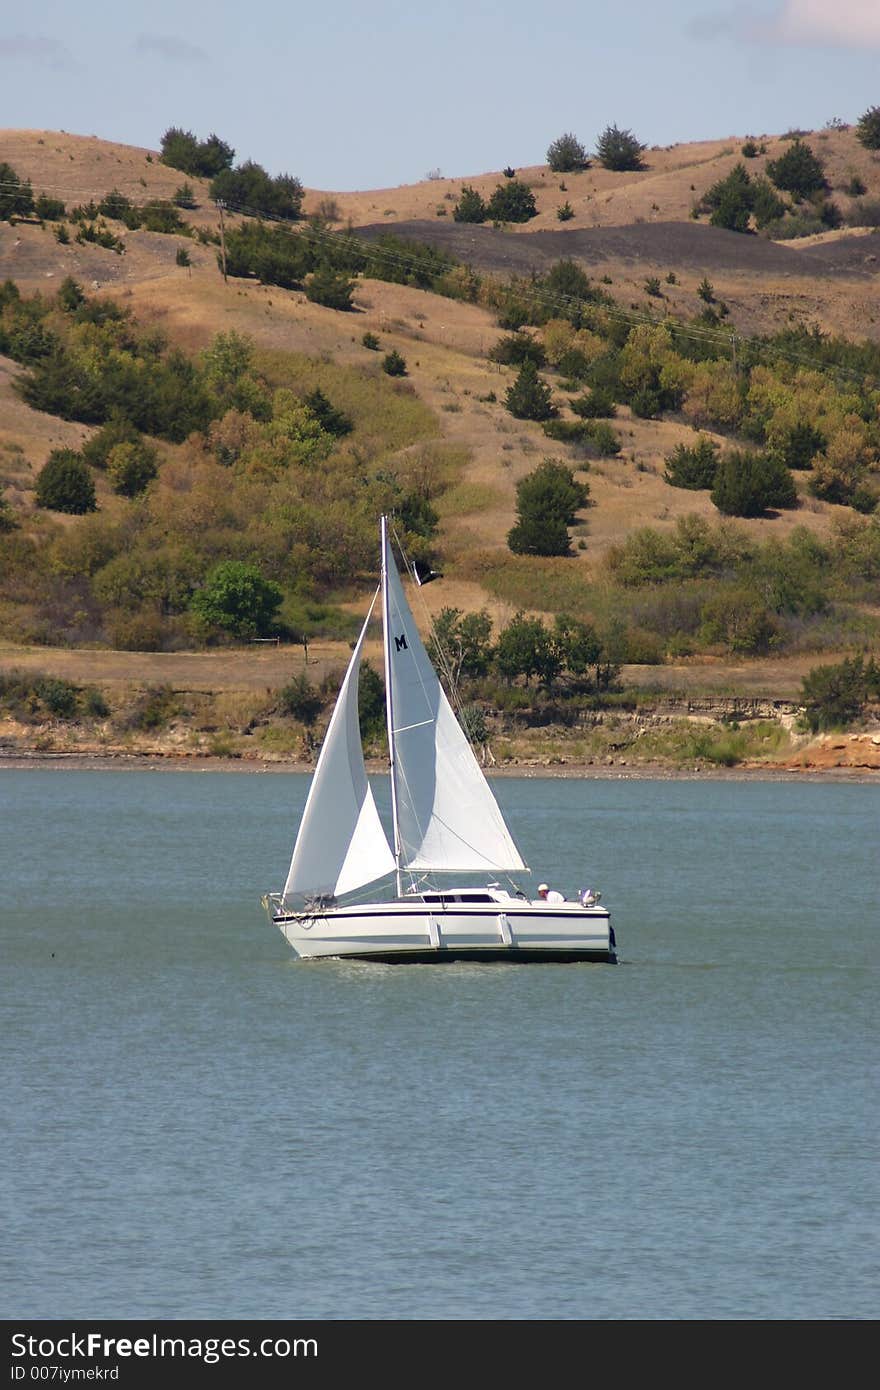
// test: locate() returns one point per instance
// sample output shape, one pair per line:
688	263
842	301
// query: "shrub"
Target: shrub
693	467
370	342
598	405
70	295
566	155
529	398
706	291
331	289
856	187
182	256
517	348
798	171
565	213
470	206
547	502
7	520
52	209
800	445
750	149
184	197
512	202
747	484
652	287
371	704
393	364
730	200
118	430
131	467
864	213
237	599
64	484
301	700
334	421
868	128
619	149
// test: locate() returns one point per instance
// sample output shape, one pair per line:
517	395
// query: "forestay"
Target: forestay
341	844
447	818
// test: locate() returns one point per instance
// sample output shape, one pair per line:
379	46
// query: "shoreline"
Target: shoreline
647	772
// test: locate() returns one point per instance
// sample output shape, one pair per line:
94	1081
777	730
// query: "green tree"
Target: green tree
249	188
393	364
566	155
371	704
462	645
131	467
330	288
513	201
868	129
747	484
529	398
235	598
470	206
16	195
49	209
693	466
64	484
301	700
798	171
619	149
331	419
516	348
835	696
525	648
547	502
70	295
730	200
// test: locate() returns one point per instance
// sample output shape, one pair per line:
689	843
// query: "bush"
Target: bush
370	342
182	257
619	149
64	484
334	421
470	206
565	213
512	202
237	599
798	171
331	289
184	197
301	700
49	209
566	155
693	467
529	398
393	364
750	149
118	430
868	128
864	213
517	348
547	502
747	484
131	467
598	405
800	445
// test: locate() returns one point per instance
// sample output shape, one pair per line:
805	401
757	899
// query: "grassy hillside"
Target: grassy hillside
442	433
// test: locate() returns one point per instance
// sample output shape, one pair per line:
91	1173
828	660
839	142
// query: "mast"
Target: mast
389	701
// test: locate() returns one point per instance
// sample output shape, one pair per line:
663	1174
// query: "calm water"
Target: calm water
195	1126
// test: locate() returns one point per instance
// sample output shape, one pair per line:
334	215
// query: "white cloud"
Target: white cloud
842	24
35	48
846	22
166	46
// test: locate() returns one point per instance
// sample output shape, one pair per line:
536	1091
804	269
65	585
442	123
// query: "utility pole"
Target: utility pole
222	243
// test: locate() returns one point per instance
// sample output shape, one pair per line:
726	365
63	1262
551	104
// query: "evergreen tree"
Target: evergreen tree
798	171
512	202
868	129
334	421
470	206
547	502
566	155
619	149
64	484
16	195
747	484
529	398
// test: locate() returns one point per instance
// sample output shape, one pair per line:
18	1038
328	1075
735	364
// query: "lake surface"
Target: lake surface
197	1126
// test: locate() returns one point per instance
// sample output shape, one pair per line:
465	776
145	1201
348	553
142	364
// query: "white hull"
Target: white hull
412	931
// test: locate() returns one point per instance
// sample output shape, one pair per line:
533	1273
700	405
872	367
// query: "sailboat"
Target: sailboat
443	899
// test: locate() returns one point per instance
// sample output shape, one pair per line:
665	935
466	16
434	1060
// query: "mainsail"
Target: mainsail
446	817
341	844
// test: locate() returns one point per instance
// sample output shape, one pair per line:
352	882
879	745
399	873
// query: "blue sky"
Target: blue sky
349	95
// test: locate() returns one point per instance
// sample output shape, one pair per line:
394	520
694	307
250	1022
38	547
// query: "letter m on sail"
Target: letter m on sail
400	643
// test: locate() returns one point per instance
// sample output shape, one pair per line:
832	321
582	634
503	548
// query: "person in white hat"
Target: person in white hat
549	895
